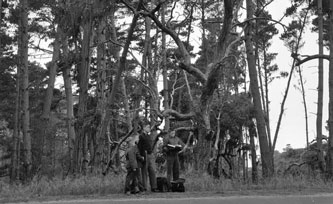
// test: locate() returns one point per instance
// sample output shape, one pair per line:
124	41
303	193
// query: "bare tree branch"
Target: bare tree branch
193	71
241	24
150	90
177	115
129	6
186	62
185	128
308	58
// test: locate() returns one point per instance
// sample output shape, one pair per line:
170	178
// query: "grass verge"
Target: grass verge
110	185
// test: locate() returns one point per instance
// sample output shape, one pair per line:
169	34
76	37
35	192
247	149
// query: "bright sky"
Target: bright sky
293	129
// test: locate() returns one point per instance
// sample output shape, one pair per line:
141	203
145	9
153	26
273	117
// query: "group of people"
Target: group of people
140	160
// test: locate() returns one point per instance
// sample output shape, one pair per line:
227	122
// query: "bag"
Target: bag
178	185
162	184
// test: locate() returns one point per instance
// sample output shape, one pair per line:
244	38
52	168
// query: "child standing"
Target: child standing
133	183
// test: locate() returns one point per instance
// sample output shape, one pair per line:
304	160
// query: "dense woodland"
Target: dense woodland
201	67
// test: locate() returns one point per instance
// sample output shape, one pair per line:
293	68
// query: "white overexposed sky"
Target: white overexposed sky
292	130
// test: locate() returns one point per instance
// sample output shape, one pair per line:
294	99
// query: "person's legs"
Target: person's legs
144	175
137	186
128	182
139	179
176	169
170	161
151	172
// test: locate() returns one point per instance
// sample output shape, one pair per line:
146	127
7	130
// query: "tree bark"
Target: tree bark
305	106
24	38
101	84
165	73
15	168
66	74
0	12
0	24
266	104
266	156
319	119
152	79
52	75
84	72
330	105
253	134
45	117
203	34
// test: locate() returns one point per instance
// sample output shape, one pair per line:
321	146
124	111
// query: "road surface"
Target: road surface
257	199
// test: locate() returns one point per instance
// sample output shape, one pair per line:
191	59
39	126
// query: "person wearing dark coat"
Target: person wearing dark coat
172	145
133	183
145	146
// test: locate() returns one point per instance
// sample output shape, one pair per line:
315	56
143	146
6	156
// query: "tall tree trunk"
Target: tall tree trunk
66	74
266	156
0	11
24	37
268	126
165	72
104	84
203	34
114	127
253	134
0	26
330	105
101	84
319	119
16	134
15	166
264	90
48	98
126	103
188	43
152	78
52	75
84	72
305	106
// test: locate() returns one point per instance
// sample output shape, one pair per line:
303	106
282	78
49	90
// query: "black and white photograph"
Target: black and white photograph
166	101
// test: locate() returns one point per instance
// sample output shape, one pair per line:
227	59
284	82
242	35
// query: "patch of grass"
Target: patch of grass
279	184
43	187
98	185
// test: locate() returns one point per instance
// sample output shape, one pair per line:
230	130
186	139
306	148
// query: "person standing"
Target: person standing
172	145
145	146
132	182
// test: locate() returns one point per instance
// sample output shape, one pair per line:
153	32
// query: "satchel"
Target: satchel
178	185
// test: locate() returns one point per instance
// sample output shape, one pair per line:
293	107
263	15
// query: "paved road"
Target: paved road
280	199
